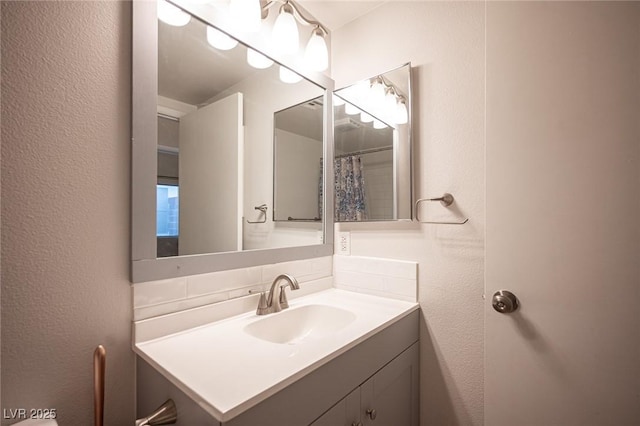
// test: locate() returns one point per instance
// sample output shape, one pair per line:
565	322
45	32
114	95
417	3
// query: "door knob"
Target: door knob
504	302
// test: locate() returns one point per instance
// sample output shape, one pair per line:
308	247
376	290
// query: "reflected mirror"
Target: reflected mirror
217	111
372	136
298	163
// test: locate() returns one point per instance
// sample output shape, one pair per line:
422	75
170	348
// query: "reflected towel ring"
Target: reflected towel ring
446	200
263	211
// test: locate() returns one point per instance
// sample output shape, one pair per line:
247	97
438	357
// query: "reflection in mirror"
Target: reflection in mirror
372	134
216	104
298	162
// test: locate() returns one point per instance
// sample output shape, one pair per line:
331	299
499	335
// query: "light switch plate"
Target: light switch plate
344	243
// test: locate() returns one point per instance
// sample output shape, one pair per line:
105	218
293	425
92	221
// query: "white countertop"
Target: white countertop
227	371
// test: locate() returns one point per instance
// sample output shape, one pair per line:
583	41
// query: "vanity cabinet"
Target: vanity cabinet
388	398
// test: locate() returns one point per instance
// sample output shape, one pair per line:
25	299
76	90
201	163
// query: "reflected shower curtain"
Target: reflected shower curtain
349	196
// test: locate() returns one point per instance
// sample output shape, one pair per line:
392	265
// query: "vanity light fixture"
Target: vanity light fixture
258	60
247	16
220	40
316	55
285	35
172	15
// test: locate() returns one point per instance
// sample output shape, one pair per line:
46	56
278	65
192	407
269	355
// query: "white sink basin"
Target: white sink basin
309	322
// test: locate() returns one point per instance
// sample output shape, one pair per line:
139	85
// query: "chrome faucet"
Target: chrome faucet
277	299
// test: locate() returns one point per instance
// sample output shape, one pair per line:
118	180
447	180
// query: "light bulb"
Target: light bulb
401	115
365	118
258	60
172	15
337	101
220	40
288	76
316	55
285	36
376	95
246	14
361	90
377	124
350	109
390	101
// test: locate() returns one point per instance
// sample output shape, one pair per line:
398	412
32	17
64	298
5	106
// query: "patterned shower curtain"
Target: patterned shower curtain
349	201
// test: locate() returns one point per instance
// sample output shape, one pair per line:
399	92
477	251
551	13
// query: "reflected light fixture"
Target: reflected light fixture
220	40
401	115
246	14
381	99
366	118
258	60
337	101
172	15
285	37
351	109
288	76
377	95
377	124
390	100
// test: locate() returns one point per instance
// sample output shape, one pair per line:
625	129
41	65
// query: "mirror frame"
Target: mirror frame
145	266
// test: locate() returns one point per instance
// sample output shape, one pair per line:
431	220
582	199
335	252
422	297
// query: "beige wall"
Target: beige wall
445	43
65	210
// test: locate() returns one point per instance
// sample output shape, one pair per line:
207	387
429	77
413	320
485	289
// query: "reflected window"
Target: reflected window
167	211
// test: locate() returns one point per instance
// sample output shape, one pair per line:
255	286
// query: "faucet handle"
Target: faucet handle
263	308
284	303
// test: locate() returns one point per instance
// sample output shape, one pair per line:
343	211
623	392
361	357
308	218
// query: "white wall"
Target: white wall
297	169
377	169
263	97
445	43
66	73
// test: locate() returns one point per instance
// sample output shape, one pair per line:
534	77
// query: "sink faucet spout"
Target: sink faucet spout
277	300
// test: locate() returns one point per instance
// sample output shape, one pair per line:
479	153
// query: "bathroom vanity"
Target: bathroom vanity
334	357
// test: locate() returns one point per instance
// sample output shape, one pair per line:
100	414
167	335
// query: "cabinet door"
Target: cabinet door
390	397
344	413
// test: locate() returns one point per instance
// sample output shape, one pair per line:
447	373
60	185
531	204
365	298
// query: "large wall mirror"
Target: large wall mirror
207	109
372	134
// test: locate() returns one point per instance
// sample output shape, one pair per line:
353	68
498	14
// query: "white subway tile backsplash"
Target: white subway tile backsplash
168	296
198	285
397	279
157	292
303	270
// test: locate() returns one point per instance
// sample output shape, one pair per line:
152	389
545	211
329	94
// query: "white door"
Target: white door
563	213
211	146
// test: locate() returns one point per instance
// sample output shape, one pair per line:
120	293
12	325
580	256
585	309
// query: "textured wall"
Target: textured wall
65	209
445	43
